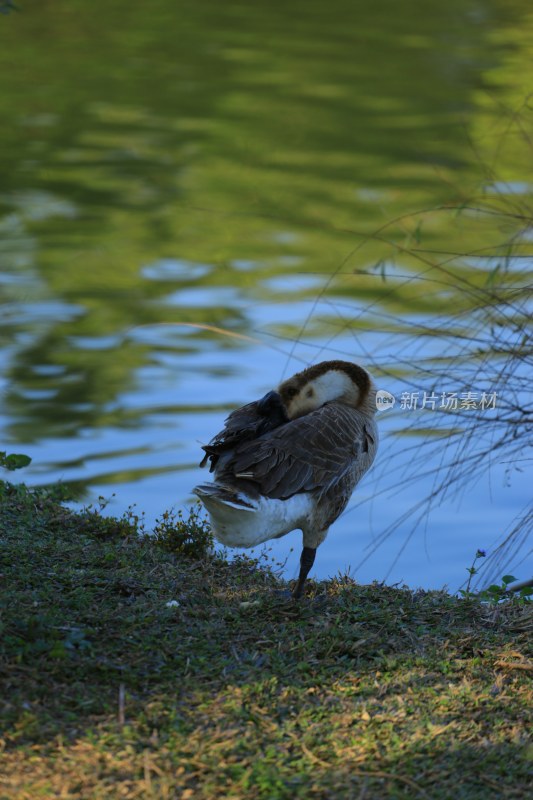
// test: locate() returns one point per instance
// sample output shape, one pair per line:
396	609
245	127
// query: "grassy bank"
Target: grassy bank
234	691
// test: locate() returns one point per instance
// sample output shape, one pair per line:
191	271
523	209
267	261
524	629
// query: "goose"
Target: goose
292	459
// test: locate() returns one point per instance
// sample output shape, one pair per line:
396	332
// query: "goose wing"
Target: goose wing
312	453
245	424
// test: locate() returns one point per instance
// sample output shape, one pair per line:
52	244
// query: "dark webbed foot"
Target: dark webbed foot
307	559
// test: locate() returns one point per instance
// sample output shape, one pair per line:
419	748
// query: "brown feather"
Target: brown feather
326	451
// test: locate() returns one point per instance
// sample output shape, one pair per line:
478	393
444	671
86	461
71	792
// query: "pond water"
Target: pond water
199	198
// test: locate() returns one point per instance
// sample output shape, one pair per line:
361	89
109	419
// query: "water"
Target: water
197	199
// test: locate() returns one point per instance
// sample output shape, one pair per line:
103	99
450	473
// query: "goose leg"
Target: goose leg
307	559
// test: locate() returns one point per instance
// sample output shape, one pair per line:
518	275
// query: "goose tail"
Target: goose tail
232	514
216	495
238	520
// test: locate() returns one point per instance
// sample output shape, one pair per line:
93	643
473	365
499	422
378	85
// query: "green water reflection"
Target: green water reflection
178	161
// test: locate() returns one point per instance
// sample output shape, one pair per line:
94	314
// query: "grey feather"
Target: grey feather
325	452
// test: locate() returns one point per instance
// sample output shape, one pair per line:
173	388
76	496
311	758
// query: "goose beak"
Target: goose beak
271	405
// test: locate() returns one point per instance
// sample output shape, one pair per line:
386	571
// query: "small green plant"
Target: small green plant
189	537
14	460
494	593
472	570
135	519
104	527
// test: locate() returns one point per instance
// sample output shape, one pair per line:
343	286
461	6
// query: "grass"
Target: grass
234	691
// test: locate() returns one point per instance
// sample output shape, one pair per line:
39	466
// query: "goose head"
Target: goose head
329	381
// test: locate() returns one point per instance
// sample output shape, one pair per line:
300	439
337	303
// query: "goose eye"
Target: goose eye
309	393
